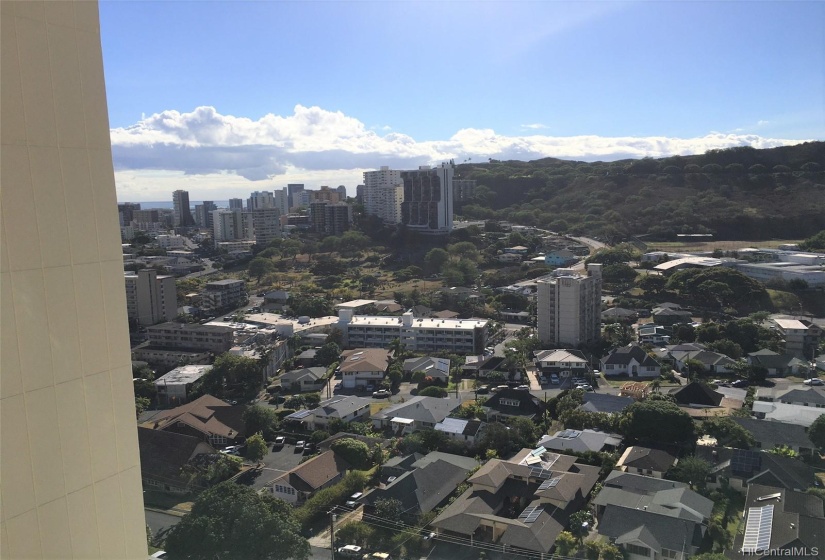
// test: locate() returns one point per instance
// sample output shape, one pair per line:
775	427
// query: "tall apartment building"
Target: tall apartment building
331	219
292	189
428	199
281	199
259	200
383	194
266	225
231	225
463	189
224	293
71	482
568	307
203	214
150	299
182	211
342	193
325	194
236	204
125	212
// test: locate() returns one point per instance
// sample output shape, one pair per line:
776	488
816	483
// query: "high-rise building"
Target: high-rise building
342	193
126	212
236	204
568	307
383	194
337	218
266	225
463	189
324	194
281	198
150	299
428	199
292	189
228	225
203	214
71	482
259	200
183	213
359	193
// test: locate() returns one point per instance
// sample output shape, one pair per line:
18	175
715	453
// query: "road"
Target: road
592	243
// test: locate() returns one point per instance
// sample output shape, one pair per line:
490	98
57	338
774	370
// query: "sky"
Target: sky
225	98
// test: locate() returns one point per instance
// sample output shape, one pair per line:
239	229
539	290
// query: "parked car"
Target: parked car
309	447
720	383
483	390
740	383
501	388
814	381
382	393
523	388
350	551
353	500
280	441
584	387
370	387
300	445
554	379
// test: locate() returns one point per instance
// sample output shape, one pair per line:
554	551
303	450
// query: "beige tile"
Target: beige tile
117	322
105	197
76	448
32	9
80	209
59	12
19	217
101	425
95	108
125	422
50	206
94	346
29	293
86	16
4	537
109	502
4	251
68	93
15	459
44	440
38	102
133	515
12	383
54	524
83	524
13	130
63	325
24	536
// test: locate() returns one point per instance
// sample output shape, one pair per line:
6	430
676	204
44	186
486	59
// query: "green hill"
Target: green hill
736	193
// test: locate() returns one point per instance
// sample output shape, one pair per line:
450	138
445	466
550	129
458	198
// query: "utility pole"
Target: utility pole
332	532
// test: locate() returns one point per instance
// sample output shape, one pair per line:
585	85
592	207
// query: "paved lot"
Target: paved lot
276	463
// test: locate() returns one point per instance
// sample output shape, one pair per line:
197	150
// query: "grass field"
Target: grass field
691	247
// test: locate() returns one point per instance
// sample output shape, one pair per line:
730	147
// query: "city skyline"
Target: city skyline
239	99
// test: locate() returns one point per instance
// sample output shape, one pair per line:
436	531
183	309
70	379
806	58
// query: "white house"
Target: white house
632	361
363	366
459	429
346	409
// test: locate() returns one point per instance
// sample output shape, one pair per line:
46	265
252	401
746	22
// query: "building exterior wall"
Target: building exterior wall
266	225
190	337
182	212
150	298
383	194
568	308
71	482
428	199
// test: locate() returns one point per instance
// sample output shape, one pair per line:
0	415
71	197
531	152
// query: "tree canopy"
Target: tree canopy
355	452
658	420
230	521
231	374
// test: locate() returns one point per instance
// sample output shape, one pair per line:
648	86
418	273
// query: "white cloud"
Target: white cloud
227	155
535	126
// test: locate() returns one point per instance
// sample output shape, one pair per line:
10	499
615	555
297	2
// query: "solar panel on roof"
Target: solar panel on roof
530	514
744	461
550	483
758	529
538	451
538	472
298	415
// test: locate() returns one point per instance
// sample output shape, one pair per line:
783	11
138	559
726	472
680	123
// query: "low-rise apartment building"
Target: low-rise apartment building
223	294
212	338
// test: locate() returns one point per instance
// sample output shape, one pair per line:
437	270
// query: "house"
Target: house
520	504
460	429
768	434
304	379
739	468
646	461
163	454
697	394
275	300
363	366
306	358
712	362
810	396
619	315
560	257
651	517
780	523
668	317
632	361
174	387
445	314
474	364
346	409
301	483
437	368
791	413
418	413
604	403
777	365
562	362
516	250
513	402
580	441
388	306
654	334
206	418
509	257
424	485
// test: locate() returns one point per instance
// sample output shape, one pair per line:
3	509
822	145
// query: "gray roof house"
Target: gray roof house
304	379
605	403
642	514
429	482
791	413
437	368
778	365
711	361
769	434
580	441
418	413
632	361
460	429
522	503
739	468
811	396
646	461
346	409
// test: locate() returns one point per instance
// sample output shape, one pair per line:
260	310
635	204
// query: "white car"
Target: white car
300	445
814	381
523	388
584	387
280	441
350	551
381	393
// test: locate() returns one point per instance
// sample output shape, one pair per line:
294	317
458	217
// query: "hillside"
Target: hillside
737	193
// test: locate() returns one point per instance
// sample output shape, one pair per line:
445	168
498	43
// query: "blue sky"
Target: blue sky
230	97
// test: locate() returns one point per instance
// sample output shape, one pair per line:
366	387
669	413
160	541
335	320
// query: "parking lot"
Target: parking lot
276	463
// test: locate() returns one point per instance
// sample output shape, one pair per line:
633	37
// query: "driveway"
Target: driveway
275	463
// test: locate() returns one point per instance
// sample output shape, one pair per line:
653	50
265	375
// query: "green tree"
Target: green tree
566	543
525	429
231	521
652	283
655	420
389	509
355	532
580	524
619	273
435	259
355	452
433	391
784	451
260	267
727	432
692	470
262	419
327	354
231	374
816	432
141	404
256	447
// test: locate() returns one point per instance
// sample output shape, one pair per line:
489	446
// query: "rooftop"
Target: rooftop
183	375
